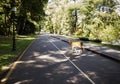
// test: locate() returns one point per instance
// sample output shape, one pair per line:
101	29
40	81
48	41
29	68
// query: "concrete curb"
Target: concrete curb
103	54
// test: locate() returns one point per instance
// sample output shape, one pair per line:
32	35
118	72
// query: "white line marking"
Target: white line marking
73	63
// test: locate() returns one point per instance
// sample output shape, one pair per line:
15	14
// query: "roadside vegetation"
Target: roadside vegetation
27	21
92	19
7	55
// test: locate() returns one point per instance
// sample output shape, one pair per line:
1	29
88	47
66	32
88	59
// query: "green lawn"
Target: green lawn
117	47
7	56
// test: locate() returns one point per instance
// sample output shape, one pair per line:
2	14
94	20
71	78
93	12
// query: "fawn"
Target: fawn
76	44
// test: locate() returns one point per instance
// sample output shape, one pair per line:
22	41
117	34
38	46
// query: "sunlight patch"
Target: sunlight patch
54	59
40	66
73	80
36	54
111	50
30	61
24	81
92	74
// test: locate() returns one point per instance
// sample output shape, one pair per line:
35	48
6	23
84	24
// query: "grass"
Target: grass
117	47
7	56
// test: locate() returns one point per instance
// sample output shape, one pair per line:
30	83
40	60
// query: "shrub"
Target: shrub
84	39
97	40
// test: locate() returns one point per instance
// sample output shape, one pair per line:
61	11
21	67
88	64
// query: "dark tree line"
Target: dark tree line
29	13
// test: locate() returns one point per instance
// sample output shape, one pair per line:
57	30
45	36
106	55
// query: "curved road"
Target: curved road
49	61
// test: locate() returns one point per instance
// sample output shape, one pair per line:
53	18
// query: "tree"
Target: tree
28	12
93	18
4	18
57	14
32	12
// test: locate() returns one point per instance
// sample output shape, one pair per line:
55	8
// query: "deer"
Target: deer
76	45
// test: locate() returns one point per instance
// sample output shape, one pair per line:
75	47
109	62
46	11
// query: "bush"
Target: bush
96	41
84	39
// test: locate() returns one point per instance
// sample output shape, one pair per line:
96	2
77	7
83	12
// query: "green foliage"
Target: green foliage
91	23
35	7
109	34
100	25
57	19
7	56
31	13
26	9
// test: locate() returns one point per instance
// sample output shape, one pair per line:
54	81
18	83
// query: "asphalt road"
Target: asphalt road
50	61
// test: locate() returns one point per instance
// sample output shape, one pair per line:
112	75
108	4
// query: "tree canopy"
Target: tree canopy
93	19
96	19
28	15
